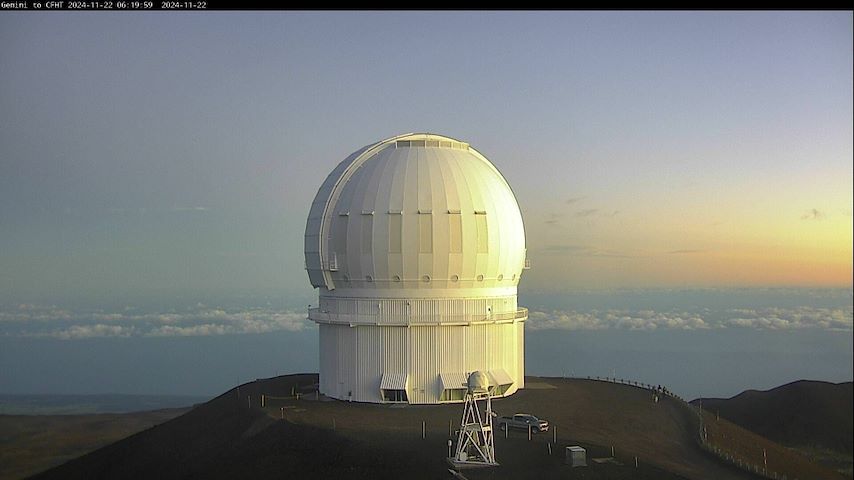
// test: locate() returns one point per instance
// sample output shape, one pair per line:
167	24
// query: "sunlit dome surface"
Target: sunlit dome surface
416	211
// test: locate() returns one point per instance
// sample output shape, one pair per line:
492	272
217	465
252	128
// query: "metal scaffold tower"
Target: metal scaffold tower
476	443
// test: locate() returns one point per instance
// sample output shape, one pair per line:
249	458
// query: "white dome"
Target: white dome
478	382
416	211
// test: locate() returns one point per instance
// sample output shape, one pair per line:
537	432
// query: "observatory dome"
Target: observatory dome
415	212
416	246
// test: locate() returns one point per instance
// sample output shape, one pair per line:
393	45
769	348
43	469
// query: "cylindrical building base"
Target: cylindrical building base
421	364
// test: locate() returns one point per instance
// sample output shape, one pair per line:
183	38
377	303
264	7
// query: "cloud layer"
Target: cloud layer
53	322
771	318
58	323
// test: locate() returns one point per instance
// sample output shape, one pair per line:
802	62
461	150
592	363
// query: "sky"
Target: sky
144	152
156	170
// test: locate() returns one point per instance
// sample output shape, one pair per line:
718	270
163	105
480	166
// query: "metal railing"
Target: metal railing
319	316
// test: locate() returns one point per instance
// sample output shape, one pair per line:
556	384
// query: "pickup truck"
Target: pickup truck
523	420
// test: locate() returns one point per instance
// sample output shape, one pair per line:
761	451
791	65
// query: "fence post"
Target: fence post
765	458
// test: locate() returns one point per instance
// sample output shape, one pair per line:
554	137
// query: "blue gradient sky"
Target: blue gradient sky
143	153
156	170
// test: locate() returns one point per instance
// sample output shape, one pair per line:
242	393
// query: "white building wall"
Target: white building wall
520	355
328	363
354	359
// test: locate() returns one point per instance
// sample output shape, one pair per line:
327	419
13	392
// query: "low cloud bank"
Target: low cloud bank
53	322
615	319
792	318
64	324
771	318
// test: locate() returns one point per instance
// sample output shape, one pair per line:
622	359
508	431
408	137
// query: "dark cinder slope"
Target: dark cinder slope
235	436
224	438
799	414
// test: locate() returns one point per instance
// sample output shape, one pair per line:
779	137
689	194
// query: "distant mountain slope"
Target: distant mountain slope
803	414
59	404
33	443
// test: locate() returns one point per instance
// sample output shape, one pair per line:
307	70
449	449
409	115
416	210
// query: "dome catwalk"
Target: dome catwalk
416	245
